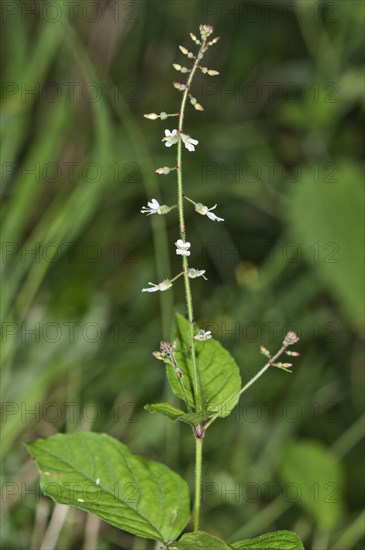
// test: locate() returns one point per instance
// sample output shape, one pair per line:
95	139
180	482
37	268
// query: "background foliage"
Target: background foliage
280	150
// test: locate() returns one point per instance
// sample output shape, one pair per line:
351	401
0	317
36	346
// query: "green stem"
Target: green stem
198	477
180	199
189	301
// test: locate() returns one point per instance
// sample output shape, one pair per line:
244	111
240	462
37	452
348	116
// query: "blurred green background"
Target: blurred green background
280	151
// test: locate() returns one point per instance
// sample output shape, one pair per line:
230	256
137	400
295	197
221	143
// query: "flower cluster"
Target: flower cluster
178	137
290	339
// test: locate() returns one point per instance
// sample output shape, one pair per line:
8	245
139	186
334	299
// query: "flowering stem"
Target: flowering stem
189	302
250	383
180	198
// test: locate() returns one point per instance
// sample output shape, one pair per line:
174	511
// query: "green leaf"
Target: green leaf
164	408
278	540
326	216
317	477
218	372
98	474
199	541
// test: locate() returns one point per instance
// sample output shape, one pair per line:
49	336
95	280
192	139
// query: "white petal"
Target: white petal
213	217
153	288
154	204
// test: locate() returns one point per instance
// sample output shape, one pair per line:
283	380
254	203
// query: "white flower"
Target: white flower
170	137
154	207
182	248
165	285
194	273
202	335
189	142
205	211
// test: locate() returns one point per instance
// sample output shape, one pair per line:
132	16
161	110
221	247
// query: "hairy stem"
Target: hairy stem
198	477
180	199
188	296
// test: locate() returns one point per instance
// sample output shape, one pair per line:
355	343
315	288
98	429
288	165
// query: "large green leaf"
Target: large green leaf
218	372
100	475
199	541
279	540
326	216
317	477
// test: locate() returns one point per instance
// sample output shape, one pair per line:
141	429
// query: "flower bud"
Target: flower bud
283	366
184	50
213	73
158	355
151	116
176	66
178	86
164	170
205	31
194	39
265	352
214	41
195	104
290	339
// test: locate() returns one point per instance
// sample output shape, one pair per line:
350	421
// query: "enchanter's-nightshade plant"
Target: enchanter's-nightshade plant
98	474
